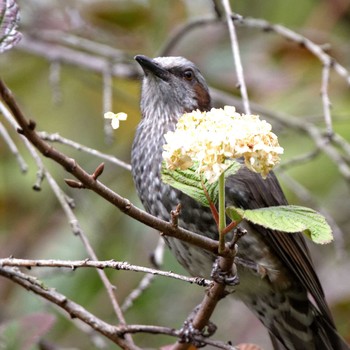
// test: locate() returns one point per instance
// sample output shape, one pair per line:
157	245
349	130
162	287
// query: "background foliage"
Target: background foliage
280	76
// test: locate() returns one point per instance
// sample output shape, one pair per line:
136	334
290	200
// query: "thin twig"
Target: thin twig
107	102
77	230
55	80
116	334
81	43
75	310
157	256
299	159
183	30
94	63
97	340
326	103
316	50
12	146
122	203
60	139
339	141
236	56
40	174
323	143
97	264
156	259
73	221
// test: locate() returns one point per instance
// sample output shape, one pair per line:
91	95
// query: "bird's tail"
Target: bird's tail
329	335
294	323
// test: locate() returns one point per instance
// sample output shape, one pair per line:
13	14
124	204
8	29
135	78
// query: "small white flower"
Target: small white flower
115	118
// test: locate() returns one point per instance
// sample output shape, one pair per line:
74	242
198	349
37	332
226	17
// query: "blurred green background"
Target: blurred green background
280	76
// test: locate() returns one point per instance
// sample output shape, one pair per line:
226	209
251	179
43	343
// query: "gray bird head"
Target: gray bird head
172	85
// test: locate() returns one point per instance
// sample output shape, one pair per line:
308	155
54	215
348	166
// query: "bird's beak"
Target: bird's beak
150	66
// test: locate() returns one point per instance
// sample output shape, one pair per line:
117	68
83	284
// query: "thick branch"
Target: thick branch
115	333
27	129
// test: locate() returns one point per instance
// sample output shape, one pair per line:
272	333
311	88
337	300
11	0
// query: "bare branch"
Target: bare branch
322	142
54	79
81	43
75	310
326	103
107	103
156	259
77	230
60	139
236	56
182	31
299	159
67	208
116	334
55	52
316	50
12	146
99	265
123	204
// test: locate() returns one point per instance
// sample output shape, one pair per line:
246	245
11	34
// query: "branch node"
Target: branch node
228	277
36	187
236	17
70	201
174	214
72	165
237	235
200	281
31	124
302	43
127	205
268	28
188	334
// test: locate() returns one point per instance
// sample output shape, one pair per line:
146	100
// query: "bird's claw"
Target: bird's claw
228	278
190	334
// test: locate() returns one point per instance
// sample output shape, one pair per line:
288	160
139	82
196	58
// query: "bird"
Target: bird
289	300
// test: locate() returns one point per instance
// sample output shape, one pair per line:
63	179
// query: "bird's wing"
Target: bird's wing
249	191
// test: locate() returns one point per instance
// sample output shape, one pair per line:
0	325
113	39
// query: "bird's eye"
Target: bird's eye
188	74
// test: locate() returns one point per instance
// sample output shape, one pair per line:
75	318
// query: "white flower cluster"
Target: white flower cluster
213	138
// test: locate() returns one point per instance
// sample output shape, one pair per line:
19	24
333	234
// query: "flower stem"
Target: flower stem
222	213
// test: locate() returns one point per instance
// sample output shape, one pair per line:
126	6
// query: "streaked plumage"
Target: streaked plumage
172	86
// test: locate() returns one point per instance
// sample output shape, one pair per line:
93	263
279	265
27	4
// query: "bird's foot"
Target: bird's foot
190	334
228	278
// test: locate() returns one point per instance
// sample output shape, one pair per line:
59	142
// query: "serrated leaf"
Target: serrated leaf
288	218
9	19
190	182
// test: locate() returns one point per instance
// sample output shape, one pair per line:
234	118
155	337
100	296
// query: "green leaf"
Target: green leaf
235	214
189	181
288	218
